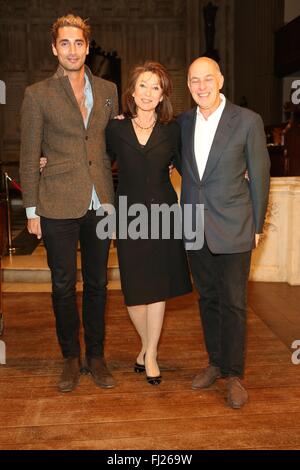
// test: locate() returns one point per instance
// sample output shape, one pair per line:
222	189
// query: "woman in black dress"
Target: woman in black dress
144	144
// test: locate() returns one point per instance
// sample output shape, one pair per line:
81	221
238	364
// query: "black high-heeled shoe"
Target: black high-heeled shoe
154	380
139	368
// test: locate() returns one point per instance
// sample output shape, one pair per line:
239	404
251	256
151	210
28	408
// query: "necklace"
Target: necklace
145	128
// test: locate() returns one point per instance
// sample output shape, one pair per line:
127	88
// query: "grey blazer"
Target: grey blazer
234	208
52	126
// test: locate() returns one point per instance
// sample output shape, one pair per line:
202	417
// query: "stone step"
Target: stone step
46	286
43	275
34	269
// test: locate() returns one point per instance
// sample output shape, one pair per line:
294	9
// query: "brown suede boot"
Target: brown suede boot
206	377
70	374
237	395
96	366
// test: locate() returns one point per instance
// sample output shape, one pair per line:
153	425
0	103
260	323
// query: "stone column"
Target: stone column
277	258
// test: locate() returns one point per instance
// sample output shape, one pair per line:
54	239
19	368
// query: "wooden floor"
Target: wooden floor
136	415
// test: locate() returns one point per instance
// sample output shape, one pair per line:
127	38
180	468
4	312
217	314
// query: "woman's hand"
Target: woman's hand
43	163
120	117
257	239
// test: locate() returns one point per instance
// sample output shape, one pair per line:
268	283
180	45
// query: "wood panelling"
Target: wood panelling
169	31
255	24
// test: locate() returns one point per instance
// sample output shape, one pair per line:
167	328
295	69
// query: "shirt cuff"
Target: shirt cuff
30	213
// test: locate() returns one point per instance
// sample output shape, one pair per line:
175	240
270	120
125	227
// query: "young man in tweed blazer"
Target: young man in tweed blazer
63	118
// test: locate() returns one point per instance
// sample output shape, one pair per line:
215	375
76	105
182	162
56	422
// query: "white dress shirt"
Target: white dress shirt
205	130
89	102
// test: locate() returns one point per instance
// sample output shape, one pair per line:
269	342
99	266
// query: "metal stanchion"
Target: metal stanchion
1	324
11	249
1	313
2	243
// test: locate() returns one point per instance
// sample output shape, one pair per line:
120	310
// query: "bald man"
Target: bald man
220	143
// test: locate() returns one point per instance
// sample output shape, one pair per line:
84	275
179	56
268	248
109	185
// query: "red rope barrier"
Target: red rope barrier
13	183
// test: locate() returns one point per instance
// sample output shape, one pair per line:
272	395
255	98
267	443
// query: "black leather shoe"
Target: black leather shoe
70	374
96	366
154	380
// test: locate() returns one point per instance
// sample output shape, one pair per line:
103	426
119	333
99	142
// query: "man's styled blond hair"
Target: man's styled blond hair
71	20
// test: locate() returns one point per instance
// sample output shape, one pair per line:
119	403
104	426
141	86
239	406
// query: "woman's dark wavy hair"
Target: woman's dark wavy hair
164	109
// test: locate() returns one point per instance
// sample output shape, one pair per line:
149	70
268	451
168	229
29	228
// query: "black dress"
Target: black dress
151	270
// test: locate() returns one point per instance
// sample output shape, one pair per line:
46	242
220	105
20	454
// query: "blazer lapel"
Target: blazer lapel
96	97
158	135
128	135
99	98
223	134
66	85
190	139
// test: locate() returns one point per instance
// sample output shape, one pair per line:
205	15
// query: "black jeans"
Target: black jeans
61	238
221	280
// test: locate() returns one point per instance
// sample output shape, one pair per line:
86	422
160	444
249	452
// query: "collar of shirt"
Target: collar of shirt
89	101
216	115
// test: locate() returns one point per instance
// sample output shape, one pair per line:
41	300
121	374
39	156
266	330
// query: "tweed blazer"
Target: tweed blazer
234	207
52	126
